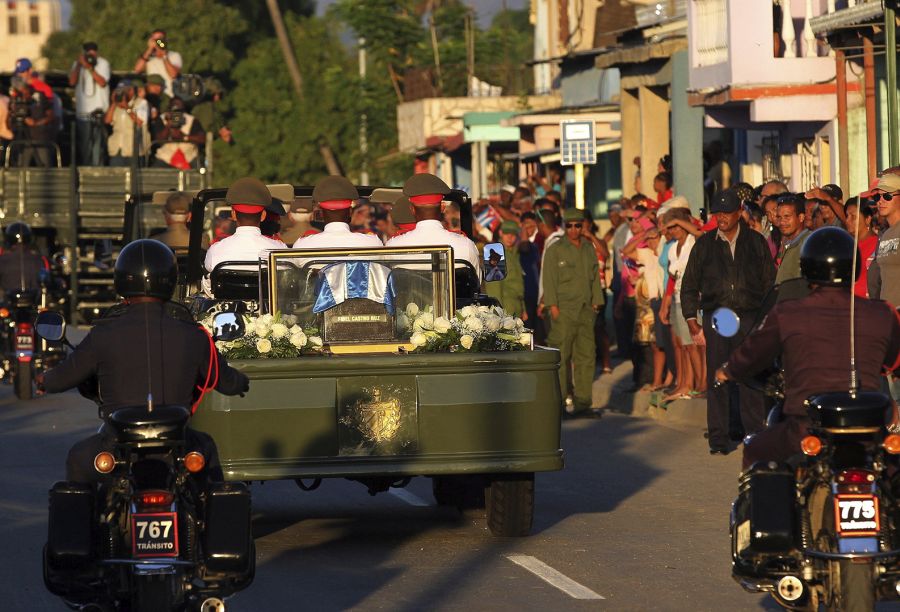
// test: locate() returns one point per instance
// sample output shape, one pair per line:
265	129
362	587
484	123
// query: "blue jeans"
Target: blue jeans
91	141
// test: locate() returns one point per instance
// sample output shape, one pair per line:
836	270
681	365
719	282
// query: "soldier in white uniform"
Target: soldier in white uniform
425	193
248	198
335	196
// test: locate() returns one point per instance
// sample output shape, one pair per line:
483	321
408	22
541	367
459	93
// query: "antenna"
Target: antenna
854	378
147	338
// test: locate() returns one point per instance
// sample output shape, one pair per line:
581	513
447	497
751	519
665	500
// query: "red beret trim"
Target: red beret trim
336	204
427	199
250	209
406	227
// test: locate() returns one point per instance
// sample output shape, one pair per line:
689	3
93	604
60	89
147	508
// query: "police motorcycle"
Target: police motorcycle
821	528
149	537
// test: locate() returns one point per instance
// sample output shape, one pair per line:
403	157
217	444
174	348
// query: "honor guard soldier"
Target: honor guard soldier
270	227
177	212
425	193
573	296
248	198
300	219
335	196
402	216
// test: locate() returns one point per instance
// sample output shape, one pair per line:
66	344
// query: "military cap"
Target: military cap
248	195
334	193
178	204
212	85
425	189
573	214
276	207
302	204
155	79
726	201
402	212
494	255
137	82
509	227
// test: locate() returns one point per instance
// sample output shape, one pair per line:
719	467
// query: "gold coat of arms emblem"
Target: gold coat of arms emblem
378	420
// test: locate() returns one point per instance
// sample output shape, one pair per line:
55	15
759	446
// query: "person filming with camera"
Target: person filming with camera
90	78
159	59
180	135
33	124
126	113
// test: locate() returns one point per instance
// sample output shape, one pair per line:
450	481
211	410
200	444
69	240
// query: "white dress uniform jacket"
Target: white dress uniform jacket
335	235
431	232
247	244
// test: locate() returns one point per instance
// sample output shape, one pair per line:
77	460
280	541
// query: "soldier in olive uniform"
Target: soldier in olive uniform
177	212
511	290
573	296
299	221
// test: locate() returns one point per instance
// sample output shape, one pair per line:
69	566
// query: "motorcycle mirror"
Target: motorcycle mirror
228	326
494	262
726	322
50	326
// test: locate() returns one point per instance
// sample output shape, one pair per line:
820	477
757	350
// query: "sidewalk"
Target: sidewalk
610	393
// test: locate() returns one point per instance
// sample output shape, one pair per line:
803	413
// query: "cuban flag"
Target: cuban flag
356	279
489	218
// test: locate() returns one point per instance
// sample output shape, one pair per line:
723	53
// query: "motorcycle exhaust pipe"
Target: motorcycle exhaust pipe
790	589
212	604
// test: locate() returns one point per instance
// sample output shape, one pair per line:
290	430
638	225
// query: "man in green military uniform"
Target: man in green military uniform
510	291
211	111
573	296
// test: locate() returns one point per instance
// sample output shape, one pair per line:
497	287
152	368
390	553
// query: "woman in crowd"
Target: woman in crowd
861	225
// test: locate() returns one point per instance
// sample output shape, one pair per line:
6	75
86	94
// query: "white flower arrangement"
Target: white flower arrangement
269	337
473	328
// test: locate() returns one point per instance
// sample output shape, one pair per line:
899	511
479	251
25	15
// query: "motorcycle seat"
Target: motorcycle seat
136	424
842	413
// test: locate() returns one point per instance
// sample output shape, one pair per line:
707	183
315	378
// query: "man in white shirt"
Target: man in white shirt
248	198
335	197
157	58
425	193
90	78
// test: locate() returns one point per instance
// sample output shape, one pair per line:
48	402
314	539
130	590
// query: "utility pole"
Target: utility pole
890	66
363	120
290	61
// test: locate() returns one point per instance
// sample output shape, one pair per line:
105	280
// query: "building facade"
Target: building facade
24	28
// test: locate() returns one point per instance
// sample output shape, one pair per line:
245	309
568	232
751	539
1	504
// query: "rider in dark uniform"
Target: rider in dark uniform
144	350
812	335
21	267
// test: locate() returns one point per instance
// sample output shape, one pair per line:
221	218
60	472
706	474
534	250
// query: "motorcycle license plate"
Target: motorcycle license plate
154	534
24	343
857	515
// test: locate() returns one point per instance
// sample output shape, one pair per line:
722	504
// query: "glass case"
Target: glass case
357	298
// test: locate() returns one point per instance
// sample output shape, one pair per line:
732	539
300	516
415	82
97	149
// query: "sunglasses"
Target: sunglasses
887	197
570	225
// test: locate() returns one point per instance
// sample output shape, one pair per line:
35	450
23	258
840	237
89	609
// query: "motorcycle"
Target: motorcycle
822	527
151	536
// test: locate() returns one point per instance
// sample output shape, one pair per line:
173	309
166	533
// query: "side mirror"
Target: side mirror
726	322
50	326
228	326
494	262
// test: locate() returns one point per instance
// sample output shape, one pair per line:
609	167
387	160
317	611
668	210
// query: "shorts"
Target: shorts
679	324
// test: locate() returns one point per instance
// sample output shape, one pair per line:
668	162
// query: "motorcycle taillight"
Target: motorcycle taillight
24	329
151	499
854	481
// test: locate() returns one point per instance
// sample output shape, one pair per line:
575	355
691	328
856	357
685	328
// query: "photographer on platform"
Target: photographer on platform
124	113
90	78
33	124
157	58
181	136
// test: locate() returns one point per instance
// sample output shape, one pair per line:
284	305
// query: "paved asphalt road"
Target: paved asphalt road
638	517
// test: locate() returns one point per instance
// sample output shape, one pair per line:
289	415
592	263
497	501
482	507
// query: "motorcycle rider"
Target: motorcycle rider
812	336
144	349
21	267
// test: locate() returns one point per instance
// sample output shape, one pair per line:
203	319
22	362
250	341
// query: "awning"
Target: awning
842	18
553	156
639	54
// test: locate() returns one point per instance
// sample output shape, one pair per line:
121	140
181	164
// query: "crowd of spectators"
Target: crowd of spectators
157	116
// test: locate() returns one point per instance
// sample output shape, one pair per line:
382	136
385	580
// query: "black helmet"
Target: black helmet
18	233
826	257
146	268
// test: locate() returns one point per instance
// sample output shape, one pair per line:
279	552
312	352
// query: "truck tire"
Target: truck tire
510	505
23	380
857	592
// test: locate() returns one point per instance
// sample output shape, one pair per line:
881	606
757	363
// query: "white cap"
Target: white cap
671	203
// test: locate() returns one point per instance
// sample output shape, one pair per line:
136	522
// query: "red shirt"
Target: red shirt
39	85
866	253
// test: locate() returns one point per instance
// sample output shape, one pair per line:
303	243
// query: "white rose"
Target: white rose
263	345
267	319
509	323
492	323
484	309
315	341
290	320
424	321
402	321
466	341
261	329
474	324
466	312
298	340
418	339
441	325
520	324
412	309
525	339
279	331
295	329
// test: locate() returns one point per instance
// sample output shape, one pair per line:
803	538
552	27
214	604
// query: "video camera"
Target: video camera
189	87
91	59
176	118
161	43
121	93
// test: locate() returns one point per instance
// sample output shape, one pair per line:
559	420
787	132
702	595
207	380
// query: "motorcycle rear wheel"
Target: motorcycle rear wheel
152	594
857	593
23	380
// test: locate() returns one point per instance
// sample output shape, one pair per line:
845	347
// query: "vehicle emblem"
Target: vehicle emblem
378	420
